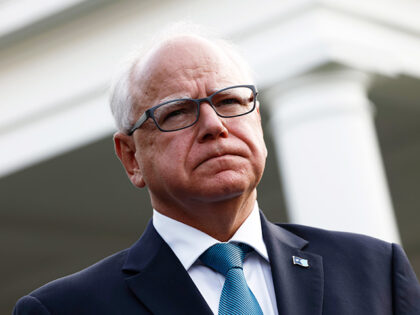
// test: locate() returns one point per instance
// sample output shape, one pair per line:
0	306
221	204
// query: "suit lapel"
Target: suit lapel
298	290
158	279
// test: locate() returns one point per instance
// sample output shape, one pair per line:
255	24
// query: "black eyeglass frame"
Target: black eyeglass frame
149	113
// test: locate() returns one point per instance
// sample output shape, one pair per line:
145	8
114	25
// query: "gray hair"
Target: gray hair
122	101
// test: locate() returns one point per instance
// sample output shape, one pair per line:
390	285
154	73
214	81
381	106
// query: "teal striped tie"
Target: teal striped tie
237	297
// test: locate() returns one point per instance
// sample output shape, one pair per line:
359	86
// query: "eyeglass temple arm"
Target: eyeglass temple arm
139	122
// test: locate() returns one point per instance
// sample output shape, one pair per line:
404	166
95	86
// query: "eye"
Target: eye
229	101
174	113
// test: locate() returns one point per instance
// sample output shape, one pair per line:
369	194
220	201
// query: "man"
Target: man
190	131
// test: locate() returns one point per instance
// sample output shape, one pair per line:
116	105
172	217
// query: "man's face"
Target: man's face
214	160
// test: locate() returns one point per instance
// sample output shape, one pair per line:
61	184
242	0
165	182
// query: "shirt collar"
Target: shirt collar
189	243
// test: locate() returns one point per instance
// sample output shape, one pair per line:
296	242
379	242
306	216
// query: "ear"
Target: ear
126	152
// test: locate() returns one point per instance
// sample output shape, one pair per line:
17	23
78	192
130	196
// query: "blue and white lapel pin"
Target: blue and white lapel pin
300	261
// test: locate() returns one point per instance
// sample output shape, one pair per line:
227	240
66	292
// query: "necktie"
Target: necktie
227	259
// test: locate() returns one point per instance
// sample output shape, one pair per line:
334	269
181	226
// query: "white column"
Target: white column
328	152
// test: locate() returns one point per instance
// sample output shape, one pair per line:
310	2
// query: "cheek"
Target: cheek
261	144
252	134
148	156
254	139
172	156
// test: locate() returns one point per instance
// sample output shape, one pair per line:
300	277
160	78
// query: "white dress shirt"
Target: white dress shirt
189	243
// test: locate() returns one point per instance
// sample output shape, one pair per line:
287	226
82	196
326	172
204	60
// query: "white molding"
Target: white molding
54	134
322	36
18	14
402	14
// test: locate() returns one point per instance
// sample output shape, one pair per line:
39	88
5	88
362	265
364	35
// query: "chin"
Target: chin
217	197
222	187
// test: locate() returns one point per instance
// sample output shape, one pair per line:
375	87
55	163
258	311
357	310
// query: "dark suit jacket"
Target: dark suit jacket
347	274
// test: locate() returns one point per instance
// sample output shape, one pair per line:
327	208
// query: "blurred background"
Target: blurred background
339	84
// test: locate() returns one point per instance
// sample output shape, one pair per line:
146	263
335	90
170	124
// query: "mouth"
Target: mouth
217	155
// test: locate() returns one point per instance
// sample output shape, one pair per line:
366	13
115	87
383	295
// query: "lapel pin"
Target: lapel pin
300	261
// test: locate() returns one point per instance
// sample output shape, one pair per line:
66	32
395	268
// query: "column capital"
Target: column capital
320	79
328	92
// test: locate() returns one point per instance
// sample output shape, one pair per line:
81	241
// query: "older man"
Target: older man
190	131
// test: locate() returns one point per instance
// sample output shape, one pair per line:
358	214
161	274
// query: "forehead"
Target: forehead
184	67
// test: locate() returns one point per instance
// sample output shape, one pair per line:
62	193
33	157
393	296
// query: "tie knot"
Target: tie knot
224	256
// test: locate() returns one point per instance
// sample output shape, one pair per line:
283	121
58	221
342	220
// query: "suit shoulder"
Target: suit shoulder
350	257
30	303
107	271
319	238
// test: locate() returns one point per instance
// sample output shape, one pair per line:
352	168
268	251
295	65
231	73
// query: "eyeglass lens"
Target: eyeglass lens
231	102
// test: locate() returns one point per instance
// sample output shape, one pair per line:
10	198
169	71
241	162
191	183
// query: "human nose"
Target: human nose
211	126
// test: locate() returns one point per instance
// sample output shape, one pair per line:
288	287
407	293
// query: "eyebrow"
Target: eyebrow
170	98
216	89
183	96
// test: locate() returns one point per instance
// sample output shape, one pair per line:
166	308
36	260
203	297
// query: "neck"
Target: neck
219	219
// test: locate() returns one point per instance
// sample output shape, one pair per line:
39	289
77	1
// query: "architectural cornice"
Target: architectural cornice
323	34
53	74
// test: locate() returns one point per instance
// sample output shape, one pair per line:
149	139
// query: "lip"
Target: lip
217	154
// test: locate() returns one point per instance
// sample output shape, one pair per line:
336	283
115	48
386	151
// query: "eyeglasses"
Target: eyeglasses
182	113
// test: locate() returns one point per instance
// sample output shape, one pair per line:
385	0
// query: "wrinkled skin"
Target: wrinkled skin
205	175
